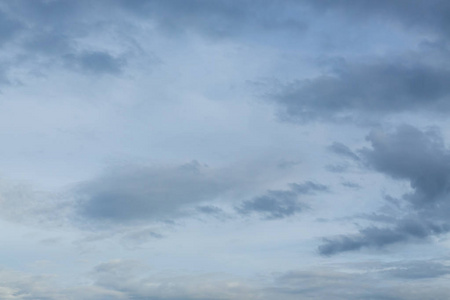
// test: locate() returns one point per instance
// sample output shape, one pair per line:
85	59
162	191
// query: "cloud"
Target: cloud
326	283
134	282
365	90
138	193
218	18
79	36
405	230
337	168
21	286
135	193
9	28
64	49
131	279
420	158
277	204
132	196
351	185
47	12
417	15
375	83
343	150
96	62
273	205
139	237
51	43
42	35
25	286
417	270
124	279
23	203
210	210
362	281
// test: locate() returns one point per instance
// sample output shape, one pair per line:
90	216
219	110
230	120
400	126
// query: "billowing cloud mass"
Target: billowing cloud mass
224	149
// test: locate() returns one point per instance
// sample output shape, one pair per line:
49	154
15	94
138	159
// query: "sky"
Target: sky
224	149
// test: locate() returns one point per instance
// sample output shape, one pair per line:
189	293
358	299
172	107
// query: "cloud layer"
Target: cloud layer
151	149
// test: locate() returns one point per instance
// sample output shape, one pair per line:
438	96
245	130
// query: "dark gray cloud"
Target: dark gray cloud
420	158
50	26
47	34
337	168
287	164
365	89
209	210
343	150
277	204
351	185
96	62
149	193
308	187
64	34
61	48
405	230
145	194
273	205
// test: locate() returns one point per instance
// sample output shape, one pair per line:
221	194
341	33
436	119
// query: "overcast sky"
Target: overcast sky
224	149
